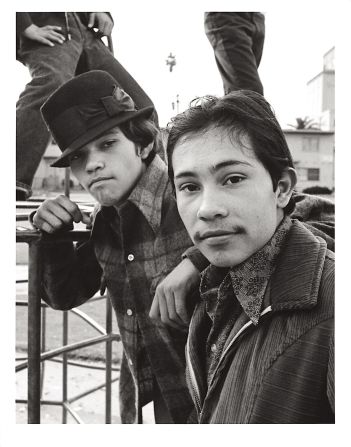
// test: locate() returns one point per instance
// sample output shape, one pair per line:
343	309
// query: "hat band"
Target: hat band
76	120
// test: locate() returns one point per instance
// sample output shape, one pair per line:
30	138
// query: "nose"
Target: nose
94	162
211	207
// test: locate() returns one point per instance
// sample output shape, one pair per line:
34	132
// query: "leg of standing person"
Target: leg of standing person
49	67
237	40
258	20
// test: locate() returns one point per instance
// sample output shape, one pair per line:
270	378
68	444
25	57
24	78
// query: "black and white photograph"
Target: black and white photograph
174	252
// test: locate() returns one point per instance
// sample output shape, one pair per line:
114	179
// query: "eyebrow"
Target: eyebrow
114	131
214	168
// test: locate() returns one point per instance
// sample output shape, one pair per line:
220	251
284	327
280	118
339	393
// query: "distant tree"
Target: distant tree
305	123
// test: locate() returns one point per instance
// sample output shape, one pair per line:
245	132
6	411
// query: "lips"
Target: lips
98	179
218	235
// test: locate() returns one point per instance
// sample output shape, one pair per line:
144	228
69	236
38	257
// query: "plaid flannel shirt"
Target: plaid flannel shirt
131	249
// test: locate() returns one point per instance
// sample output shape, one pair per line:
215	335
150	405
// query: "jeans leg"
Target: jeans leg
231	36
259	36
49	67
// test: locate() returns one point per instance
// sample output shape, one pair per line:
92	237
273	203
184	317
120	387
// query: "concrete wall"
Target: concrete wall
313	155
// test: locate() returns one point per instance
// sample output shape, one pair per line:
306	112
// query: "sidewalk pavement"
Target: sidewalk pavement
91	408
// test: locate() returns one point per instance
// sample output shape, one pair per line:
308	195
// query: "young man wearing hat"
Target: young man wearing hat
261	339
55	46
137	236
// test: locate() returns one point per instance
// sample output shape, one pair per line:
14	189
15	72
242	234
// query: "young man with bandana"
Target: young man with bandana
261	339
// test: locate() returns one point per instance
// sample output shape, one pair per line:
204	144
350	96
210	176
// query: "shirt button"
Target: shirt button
130	257
130	361
213	348
129	312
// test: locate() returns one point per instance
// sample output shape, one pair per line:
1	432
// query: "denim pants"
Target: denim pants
237	39
49	68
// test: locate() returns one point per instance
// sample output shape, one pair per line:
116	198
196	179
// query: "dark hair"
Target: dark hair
143	131
241	113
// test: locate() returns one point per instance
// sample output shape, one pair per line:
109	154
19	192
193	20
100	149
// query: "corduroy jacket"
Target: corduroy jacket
282	370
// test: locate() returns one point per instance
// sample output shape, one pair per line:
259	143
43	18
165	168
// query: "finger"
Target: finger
86	218
154	313
61	213
172	314
180	306
47	221
56	34
91	20
53	27
164	314
71	207
55	38
47	228
54	214
45	41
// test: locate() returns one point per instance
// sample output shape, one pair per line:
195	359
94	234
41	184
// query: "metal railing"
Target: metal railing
37	355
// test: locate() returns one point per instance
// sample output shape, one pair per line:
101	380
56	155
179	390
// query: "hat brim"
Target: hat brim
94	132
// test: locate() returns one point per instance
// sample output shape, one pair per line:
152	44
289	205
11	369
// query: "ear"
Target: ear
285	187
144	153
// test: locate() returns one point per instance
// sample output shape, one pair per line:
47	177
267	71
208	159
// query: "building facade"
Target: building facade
314	157
48	178
321	94
313	149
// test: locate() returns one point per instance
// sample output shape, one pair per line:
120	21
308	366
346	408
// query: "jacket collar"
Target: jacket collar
147	196
148	193
247	280
295	282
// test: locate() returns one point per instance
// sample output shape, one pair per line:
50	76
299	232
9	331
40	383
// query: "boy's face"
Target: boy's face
108	167
225	197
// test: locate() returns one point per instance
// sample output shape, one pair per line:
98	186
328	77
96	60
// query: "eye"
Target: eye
75	157
233	179
108	143
188	187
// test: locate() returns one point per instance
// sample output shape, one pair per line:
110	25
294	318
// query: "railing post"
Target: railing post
108	351
64	366
34	329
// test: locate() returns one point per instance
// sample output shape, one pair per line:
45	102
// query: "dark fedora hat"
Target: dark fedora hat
85	107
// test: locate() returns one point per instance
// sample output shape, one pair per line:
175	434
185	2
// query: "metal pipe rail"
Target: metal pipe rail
36	357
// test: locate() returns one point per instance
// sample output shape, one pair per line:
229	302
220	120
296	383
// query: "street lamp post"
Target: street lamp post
171	62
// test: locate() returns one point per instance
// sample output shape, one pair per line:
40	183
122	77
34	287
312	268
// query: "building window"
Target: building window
310	144
301	174
313	174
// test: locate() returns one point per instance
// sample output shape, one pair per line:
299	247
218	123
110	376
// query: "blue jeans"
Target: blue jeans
237	39
49	68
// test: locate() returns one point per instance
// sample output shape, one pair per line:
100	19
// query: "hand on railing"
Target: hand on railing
57	214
